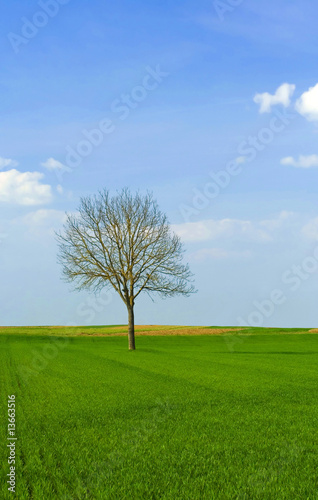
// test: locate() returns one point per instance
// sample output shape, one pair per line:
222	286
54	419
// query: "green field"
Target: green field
182	417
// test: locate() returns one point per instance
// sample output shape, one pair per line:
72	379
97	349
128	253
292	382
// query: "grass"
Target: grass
183	417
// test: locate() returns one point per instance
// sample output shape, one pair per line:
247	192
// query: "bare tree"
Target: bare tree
123	241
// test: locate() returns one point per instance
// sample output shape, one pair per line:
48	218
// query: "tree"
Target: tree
123	241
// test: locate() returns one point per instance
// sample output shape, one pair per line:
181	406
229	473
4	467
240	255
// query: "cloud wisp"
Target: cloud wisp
52	165
7	162
212	229
205	254
282	96
309	161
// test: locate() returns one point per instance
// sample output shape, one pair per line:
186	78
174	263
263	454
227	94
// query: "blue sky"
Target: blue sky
173	98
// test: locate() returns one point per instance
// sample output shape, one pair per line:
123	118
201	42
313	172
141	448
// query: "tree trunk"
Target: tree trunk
131	328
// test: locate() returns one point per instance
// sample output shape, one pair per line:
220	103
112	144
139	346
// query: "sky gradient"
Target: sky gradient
213	108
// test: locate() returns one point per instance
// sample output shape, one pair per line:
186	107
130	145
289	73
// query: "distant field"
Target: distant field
112	330
222	416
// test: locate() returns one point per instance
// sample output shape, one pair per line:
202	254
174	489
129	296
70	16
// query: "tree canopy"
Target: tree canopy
125	242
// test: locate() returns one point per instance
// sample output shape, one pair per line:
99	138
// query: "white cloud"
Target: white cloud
7	162
302	162
282	96
307	104
216	254
226	228
310	230
42	221
59	189
24	188
243	230
273	224
43	217
52	164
